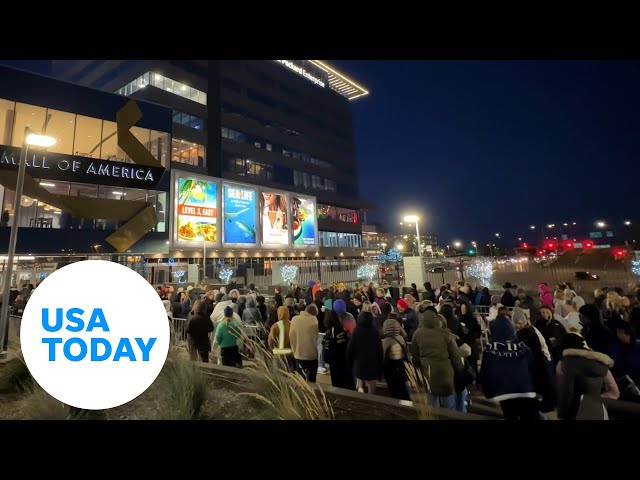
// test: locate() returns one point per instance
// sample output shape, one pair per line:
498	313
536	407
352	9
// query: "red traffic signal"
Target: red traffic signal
540	252
588	244
525	245
619	253
568	244
551	245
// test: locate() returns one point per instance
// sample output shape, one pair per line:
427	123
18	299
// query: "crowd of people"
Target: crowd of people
544	353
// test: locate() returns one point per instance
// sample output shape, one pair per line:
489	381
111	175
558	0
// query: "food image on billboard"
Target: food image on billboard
274	218
239	215
303	221
197	211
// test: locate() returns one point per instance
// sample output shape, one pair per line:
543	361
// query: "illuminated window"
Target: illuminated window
187	152
166	84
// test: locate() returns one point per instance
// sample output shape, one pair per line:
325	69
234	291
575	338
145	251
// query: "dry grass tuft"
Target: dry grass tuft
287	394
420	390
14	375
183	389
39	405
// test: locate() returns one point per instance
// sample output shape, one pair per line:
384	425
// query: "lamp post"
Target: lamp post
415	219
30	138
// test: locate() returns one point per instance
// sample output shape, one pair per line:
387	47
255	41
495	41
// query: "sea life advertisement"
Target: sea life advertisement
239	215
197	210
303	221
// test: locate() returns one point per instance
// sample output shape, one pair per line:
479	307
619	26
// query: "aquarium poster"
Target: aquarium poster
197	211
303	222
239	215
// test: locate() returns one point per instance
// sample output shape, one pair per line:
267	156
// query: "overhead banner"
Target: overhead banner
274	218
197	211
239	215
303	222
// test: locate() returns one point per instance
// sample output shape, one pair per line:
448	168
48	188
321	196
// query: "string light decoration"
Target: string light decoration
178	276
482	270
367	271
289	273
225	274
635	267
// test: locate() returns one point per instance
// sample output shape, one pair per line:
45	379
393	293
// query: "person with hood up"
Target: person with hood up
553	332
394	354
304	342
470	331
279	340
507	299
505	374
572	295
290	303
379	320
435	353
308	294
335	348
493	309
198	329
251	315
582	376
546	295
364	352
408	317
542	365
483	298
595	334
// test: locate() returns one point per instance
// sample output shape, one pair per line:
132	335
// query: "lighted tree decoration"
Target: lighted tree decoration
288	273
392	256
178	276
482	270
635	266
225	274
367	271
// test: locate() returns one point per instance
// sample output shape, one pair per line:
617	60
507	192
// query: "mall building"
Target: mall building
250	134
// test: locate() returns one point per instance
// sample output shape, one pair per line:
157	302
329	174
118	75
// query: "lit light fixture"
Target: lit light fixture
183	88
411	218
118	193
45	184
627	222
40	140
600	224
532	227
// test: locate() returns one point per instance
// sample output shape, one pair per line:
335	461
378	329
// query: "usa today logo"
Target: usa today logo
94	334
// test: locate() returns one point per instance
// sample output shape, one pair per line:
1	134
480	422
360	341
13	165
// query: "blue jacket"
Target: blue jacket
626	360
505	364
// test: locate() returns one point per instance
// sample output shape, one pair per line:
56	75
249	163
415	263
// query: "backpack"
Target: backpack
385	357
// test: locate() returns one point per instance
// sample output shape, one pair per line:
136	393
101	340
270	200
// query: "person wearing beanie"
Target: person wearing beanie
347	320
553	332
435	353
542	366
304	342
408	317
582	376
594	332
228	332
505	374
493	309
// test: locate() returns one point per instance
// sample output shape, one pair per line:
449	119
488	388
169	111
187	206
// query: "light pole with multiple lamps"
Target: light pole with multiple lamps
30	138
415	219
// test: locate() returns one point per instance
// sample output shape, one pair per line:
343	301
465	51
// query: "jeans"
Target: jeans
320	350
308	368
448	402
461	400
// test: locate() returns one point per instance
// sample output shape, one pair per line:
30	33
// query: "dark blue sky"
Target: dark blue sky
478	147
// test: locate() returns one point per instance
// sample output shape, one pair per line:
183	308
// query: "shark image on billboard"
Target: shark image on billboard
239	215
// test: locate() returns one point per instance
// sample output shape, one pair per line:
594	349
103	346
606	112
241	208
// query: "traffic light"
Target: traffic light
525	245
618	253
551	245
568	244
588	244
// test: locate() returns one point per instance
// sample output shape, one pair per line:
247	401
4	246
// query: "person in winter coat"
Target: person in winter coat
272	313
542	365
278	296
435	353
262	308
251	315
505	375
558	304
279	340
597	336
394	354
484	297
347	320
355	306
385	311
228	332
552	331
493	309
453	322
335	348
364	353
304	342
290	303
508	299
407	316
571	321
380	297
470	332
199	327
546	295
583	377
429	294
625	352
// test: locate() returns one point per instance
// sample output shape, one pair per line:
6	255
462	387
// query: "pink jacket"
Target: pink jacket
546	295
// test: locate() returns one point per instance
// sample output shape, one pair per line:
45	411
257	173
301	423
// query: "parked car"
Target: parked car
586	276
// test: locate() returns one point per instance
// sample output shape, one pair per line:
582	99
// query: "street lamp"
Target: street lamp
627	223
600	224
532	227
457	244
498	235
29	138
415	219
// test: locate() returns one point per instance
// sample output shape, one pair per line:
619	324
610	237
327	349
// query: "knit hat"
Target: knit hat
502	330
328	304
228	312
518	316
311	283
339	306
402	303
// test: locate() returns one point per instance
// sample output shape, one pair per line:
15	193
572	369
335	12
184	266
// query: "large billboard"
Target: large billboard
195	211
239	215
274	218
304	225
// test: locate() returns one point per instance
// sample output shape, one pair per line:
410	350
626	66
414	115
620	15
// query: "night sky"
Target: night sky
478	147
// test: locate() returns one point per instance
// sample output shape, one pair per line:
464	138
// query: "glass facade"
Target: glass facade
75	134
187	120
37	214
247	168
336	239
165	83
187	152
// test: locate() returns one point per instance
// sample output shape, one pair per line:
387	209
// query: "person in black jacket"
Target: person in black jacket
594	332
508	300
364	353
469	332
335	351
429	293
278	297
355	305
198	328
552	331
